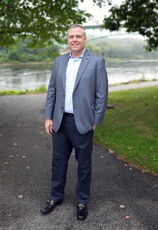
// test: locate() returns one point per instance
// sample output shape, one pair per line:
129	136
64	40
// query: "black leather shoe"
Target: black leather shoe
49	206
82	211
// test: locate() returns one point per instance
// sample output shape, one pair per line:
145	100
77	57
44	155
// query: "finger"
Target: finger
50	129
47	130
94	127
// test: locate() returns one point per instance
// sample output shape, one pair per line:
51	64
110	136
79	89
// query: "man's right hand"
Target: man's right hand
48	126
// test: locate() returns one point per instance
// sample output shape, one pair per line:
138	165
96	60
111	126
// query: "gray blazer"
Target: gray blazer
90	92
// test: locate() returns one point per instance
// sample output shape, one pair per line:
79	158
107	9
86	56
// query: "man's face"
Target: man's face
76	39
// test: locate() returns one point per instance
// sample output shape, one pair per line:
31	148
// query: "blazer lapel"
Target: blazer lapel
64	67
83	64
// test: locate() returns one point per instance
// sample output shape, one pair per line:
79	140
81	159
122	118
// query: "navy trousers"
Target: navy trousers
64	141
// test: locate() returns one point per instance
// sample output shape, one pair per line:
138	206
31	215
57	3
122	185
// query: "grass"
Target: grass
41	89
131	128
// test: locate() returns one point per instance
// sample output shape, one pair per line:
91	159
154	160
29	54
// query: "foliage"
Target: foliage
121	48
131	128
20	52
136	16
115	48
39	20
45	20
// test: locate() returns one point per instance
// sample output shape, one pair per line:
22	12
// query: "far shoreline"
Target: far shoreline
50	62
25	63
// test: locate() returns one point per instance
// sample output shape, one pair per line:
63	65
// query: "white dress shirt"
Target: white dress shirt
71	73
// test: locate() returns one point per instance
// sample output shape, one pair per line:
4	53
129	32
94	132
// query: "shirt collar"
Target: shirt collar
70	56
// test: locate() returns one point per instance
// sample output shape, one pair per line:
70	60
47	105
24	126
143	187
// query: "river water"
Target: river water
32	76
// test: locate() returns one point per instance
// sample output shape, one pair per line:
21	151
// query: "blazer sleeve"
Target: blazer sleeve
101	96
51	95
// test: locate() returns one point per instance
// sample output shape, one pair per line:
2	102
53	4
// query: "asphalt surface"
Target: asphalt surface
133	85
123	197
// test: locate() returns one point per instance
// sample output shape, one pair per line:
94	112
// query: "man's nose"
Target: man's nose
74	38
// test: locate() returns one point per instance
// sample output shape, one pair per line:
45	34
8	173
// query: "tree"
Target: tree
136	16
21	52
39	20
45	20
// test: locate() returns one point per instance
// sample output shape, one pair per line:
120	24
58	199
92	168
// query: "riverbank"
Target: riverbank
25	63
112	60
114	87
41	89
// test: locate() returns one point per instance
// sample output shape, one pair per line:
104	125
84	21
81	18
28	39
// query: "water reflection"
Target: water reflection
24	76
32	76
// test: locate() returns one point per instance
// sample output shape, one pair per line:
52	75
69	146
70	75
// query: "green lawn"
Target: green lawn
130	129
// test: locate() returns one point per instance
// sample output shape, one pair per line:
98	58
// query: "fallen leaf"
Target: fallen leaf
20	196
6	163
122	206
23	157
110	151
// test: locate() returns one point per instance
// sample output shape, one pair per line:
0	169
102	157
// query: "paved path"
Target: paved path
123	198
133	85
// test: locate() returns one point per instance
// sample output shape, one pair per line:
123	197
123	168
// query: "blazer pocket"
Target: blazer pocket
92	108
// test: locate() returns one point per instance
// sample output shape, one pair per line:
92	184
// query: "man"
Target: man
75	104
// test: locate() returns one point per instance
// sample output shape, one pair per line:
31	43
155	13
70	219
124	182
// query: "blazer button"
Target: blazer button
62	107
